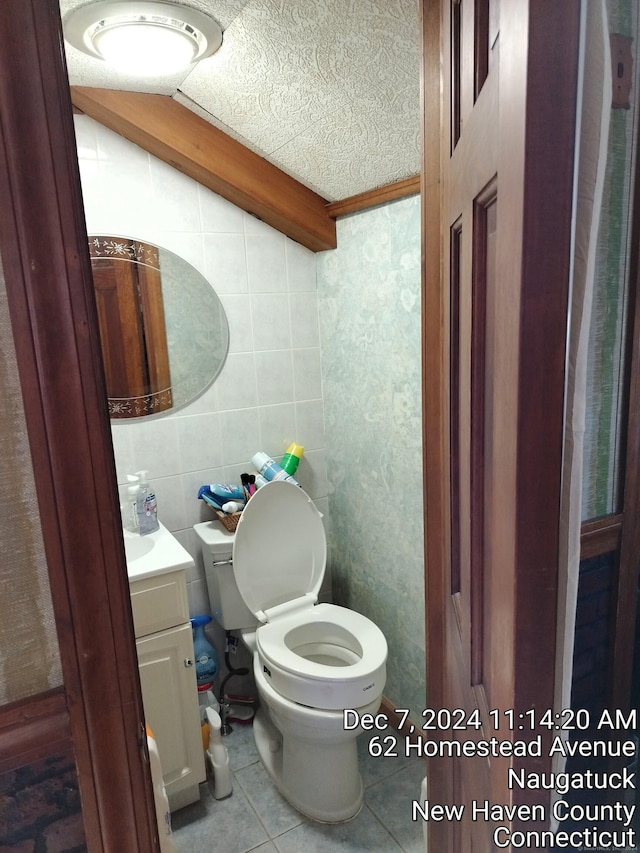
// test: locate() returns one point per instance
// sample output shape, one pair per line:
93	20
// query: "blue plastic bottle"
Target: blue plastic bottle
206	658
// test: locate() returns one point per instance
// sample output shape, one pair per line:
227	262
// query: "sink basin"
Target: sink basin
154	553
138	546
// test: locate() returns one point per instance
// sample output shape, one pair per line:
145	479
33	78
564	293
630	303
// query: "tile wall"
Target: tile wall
275	388
270	390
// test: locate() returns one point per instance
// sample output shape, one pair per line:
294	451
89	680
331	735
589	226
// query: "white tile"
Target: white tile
270	321
274	376
198	597
168	492
185	244
253	225
236	385
206	402
155	447
86	139
312	474
301	267
277	428
237	307
175	197
232	473
122	201
199	442
310	424
187	539
226	262
219	215
266	265
121	437
240	435
307	374
113	146
305	331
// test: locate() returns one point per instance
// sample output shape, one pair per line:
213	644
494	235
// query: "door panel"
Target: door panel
499	212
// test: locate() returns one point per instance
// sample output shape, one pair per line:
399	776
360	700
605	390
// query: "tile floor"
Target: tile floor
256	818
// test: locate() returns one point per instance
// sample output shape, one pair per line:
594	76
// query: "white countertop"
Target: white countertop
154	554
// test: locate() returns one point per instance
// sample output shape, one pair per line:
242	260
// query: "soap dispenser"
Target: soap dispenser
146	506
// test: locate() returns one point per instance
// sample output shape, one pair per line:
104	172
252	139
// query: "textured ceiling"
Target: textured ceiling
328	90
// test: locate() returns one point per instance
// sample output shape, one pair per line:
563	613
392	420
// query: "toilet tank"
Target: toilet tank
227	605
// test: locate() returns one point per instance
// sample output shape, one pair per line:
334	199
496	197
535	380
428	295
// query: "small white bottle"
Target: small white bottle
218	757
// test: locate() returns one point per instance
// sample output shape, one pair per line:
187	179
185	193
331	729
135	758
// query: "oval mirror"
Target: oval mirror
163	329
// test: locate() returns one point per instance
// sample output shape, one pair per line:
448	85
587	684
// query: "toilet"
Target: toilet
311	661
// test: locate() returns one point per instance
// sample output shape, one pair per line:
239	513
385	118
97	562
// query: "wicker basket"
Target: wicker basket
229	519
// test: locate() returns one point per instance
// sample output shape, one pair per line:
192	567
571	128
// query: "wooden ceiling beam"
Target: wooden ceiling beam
174	134
378	195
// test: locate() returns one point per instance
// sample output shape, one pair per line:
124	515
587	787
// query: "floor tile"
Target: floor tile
257	819
241	746
381	754
215	825
271	807
391	802
363	834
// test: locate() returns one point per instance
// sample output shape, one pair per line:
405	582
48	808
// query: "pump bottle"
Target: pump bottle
146	506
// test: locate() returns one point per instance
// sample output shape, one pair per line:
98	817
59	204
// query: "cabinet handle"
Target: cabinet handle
188	662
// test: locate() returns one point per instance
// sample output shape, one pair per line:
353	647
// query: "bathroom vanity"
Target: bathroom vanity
157	565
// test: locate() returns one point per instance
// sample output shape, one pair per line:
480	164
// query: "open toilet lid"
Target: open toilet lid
280	548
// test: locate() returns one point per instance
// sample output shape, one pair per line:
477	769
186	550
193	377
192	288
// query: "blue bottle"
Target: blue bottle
206	658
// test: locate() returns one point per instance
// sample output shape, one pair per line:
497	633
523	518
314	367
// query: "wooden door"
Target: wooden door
499	113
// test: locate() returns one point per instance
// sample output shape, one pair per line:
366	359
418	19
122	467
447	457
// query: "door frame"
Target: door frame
49	289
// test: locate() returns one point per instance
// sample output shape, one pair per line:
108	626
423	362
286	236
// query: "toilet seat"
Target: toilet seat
324	656
319	655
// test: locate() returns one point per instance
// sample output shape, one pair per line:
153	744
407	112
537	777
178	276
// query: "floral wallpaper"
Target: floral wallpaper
369	304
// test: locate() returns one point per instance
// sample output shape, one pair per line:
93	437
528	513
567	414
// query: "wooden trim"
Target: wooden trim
35	728
435	402
371	198
53	315
178	136
600	536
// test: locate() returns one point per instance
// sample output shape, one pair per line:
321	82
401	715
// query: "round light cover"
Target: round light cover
280	548
143	36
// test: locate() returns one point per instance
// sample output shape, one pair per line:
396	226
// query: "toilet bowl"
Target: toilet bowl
311	661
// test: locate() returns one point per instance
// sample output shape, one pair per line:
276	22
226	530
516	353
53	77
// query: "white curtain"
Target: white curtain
593	115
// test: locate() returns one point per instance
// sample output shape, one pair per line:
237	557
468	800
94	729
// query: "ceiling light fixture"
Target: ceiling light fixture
148	37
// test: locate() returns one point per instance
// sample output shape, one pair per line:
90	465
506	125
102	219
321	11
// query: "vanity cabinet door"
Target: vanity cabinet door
169	693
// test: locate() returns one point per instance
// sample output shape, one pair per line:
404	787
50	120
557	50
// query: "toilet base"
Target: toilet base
319	779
